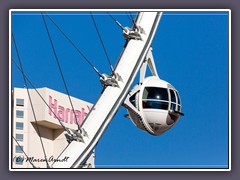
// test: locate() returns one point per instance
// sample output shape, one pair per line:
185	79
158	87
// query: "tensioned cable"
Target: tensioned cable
133	21
40	96
104	48
60	69
24	152
64	34
129	17
30	100
116	21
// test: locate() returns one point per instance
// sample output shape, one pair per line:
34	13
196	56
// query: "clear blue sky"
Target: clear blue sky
190	51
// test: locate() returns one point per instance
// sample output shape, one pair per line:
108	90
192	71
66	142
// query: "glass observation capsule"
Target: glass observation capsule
154	106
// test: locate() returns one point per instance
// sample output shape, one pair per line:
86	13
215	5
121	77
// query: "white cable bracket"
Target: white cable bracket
84	133
75	135
110	80
130	33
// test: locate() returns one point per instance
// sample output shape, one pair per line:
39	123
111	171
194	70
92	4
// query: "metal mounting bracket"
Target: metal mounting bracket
130	33
76	135
110	80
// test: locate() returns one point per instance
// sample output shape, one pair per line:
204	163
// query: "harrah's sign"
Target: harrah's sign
66	115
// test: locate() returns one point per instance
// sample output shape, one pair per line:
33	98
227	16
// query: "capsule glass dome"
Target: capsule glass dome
159	94
157	105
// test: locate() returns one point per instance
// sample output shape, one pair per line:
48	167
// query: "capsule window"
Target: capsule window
175	101
132	99
155	98
179	108
173	97
173	106
155	93
148	104
179	102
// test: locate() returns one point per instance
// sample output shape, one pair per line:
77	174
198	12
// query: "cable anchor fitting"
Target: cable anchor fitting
110	80
76	135
133	33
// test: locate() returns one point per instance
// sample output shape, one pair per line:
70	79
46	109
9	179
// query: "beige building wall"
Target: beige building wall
46	125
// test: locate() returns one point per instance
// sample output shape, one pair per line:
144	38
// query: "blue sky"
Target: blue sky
190	51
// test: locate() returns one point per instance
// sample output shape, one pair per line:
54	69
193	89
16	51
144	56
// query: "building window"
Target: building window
19	102
19	137
19	114
19	125
19	149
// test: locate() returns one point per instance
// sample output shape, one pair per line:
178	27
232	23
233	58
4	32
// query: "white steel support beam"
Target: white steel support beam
112	97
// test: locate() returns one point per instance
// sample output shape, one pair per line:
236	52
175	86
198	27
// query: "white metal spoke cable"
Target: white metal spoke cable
30	100
60	70
112	98
138	43
101	40
28	80
73	44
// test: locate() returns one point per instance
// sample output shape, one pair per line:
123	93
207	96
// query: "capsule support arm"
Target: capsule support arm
148	62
